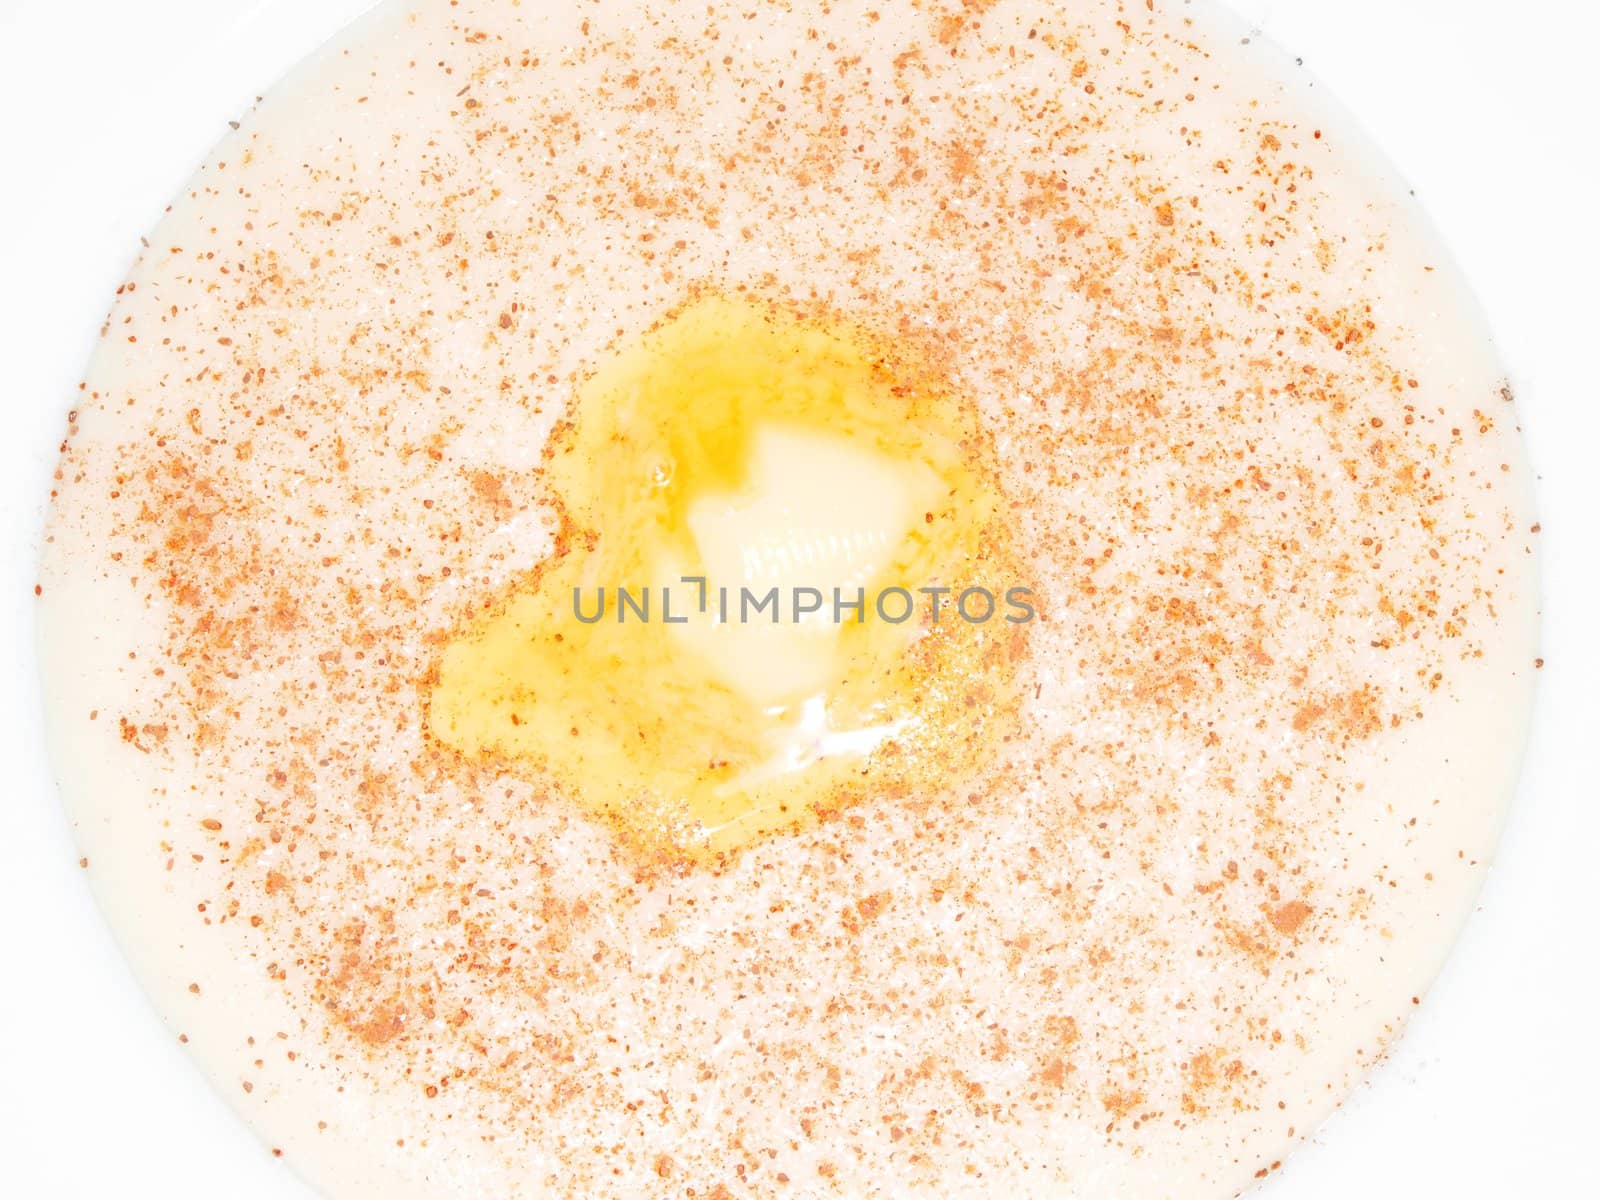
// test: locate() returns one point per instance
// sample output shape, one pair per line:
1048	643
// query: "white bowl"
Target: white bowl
106	107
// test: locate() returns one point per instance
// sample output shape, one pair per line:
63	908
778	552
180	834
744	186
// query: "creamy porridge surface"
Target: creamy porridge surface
1255	452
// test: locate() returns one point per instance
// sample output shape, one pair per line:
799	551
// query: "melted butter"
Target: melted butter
748	449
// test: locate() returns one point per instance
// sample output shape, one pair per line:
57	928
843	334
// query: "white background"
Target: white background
1488	108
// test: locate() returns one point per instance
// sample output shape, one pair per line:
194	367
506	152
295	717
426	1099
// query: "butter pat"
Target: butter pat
818	511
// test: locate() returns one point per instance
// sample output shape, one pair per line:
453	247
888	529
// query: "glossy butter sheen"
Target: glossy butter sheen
739	448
